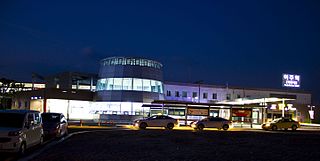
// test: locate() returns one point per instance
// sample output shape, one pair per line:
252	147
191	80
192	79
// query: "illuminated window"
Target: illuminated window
120	61
131	61
146	85
154	86
117	84
176	112
127	84
112	62
137	84
159	86
124	61
128	61
109	83
101	84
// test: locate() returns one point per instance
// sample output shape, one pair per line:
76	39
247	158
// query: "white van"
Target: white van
20	130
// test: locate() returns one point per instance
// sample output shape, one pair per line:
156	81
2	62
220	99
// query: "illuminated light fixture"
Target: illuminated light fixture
290	107
281	106
64	91
73	92
273	107
244	101
293	109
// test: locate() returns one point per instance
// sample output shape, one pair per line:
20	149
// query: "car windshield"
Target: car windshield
50	117
14	120
276	120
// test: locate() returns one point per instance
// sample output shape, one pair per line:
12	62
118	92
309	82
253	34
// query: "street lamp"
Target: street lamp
311	112
199	82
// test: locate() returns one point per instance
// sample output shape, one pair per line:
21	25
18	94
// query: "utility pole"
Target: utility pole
199	82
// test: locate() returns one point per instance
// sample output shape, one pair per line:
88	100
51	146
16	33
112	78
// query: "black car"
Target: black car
54	125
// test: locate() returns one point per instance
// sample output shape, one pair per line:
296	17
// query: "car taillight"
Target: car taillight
14	133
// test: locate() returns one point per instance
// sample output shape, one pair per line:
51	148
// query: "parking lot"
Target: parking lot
183	143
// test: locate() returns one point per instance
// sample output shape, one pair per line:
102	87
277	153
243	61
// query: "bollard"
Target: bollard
81	122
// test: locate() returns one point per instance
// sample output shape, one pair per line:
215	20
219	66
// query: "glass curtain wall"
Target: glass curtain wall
135	84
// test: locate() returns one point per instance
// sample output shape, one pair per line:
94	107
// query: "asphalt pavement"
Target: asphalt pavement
99	143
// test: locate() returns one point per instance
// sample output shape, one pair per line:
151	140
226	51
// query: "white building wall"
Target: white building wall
301	98
220	92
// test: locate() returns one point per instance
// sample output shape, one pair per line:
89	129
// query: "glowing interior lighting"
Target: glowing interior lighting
273	106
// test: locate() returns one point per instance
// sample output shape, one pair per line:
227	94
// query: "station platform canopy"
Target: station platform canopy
242	102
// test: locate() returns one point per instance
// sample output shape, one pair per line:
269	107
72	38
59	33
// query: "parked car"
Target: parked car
212	122
54	125
281	123
156	121
20	130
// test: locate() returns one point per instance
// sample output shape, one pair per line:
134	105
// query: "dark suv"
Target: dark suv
54	125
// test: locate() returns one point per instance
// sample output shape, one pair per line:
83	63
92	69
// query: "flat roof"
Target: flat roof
288	90
170	103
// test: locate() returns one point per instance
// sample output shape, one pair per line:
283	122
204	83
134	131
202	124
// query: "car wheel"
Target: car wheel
274	127
59	133
143	125
294	127
170	126
22	149
225	127
66	132
200	127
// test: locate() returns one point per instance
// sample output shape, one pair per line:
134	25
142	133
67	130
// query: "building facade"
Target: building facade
270	103
130	85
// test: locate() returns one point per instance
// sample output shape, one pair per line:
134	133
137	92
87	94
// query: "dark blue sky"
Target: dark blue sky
244	43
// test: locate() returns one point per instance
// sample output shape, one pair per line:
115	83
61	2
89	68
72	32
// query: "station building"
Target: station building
132	86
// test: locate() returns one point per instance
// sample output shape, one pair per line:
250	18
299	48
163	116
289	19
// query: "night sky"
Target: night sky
242	43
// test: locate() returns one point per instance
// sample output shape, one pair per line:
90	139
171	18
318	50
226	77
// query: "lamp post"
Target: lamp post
199	82
283	107
311	112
